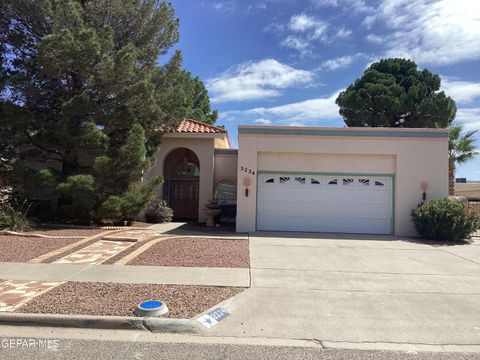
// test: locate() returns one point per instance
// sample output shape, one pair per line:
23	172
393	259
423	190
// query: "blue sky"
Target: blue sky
283	62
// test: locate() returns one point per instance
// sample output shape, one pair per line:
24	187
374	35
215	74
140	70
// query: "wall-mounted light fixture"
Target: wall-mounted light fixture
246	185
424	188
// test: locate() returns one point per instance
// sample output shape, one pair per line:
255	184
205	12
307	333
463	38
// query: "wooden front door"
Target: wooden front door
184	199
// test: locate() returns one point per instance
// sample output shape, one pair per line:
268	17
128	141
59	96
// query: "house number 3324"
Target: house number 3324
247	170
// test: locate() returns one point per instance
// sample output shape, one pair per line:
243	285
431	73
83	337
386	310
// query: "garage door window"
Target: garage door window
300	180
333	182
284	179
347	182
268	180
315	181
364	182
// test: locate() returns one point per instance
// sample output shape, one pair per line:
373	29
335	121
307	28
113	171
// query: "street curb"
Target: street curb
156	325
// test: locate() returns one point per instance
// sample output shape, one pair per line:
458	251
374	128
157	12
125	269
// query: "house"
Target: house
313	179
198	164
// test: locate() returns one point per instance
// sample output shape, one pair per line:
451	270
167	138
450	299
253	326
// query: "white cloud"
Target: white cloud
325	3
470	117
296	123
304	23
257	6
460	91
305	111
337	63
263	121
297	43
256	80
274	27
432	32
369	20
224	6
375	39
343	33
340	62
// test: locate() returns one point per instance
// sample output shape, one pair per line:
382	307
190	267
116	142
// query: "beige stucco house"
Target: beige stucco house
312	179
198	164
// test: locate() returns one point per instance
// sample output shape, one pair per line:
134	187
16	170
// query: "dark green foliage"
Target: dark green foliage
393	93
127	206
77	198
158	212
81	99
13	217
446	220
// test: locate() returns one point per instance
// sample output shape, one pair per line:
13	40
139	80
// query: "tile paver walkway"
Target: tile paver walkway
14	293
95	253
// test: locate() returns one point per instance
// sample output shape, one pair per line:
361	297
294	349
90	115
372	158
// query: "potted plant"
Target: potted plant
211	209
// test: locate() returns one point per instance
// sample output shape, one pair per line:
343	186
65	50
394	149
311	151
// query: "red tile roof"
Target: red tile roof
195	126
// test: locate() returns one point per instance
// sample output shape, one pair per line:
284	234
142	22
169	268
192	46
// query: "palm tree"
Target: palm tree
461	148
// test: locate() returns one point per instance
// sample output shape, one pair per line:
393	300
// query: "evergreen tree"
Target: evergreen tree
393	93
82	95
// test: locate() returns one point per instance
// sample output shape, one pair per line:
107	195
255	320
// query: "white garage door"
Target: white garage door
302	202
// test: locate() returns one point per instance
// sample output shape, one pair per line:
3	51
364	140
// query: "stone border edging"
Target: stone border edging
66	248
155	325
33	235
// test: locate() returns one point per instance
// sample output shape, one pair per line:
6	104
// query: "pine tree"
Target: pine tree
81	97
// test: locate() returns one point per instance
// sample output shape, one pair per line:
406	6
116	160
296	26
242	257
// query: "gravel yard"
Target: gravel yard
66	232
125	252
22	249
75	298
196	252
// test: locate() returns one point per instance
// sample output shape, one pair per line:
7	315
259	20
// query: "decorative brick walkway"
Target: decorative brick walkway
14	293
95	253
134	235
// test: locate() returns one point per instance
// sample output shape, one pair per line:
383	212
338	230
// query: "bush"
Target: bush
158	212
445	219
130	204
14	218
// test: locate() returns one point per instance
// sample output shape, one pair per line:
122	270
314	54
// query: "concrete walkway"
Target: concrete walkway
358	289
181	229
126	274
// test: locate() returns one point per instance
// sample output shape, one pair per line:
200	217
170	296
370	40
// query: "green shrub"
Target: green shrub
158	212
130	204
14	217
445	219
77	198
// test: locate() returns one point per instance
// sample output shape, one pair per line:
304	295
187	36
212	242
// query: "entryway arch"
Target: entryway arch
181	170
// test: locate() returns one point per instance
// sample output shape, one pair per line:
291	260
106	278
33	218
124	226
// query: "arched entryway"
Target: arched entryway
182	173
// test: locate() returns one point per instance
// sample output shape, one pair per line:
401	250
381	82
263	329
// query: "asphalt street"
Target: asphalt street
106	350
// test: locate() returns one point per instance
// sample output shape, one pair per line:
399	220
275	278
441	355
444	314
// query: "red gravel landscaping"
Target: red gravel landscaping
196	252
22	249
66	232
109	299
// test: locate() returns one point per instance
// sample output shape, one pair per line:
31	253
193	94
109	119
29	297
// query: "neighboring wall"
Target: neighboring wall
225	164
411	159
469	189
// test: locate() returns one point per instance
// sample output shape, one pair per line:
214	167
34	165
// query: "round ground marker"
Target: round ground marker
151	308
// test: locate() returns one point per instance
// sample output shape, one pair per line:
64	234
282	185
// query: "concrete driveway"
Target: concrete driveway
358	289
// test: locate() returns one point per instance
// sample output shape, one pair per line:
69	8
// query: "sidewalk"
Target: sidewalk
178	229
236	277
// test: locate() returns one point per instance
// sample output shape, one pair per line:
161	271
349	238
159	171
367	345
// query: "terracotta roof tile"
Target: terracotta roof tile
194	126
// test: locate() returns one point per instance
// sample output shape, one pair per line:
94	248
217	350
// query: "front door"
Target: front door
184	199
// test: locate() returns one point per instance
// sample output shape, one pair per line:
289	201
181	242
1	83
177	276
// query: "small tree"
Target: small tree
461	148
393	93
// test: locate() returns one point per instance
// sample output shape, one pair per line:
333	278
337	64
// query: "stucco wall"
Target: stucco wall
412	160
204	149
226	162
